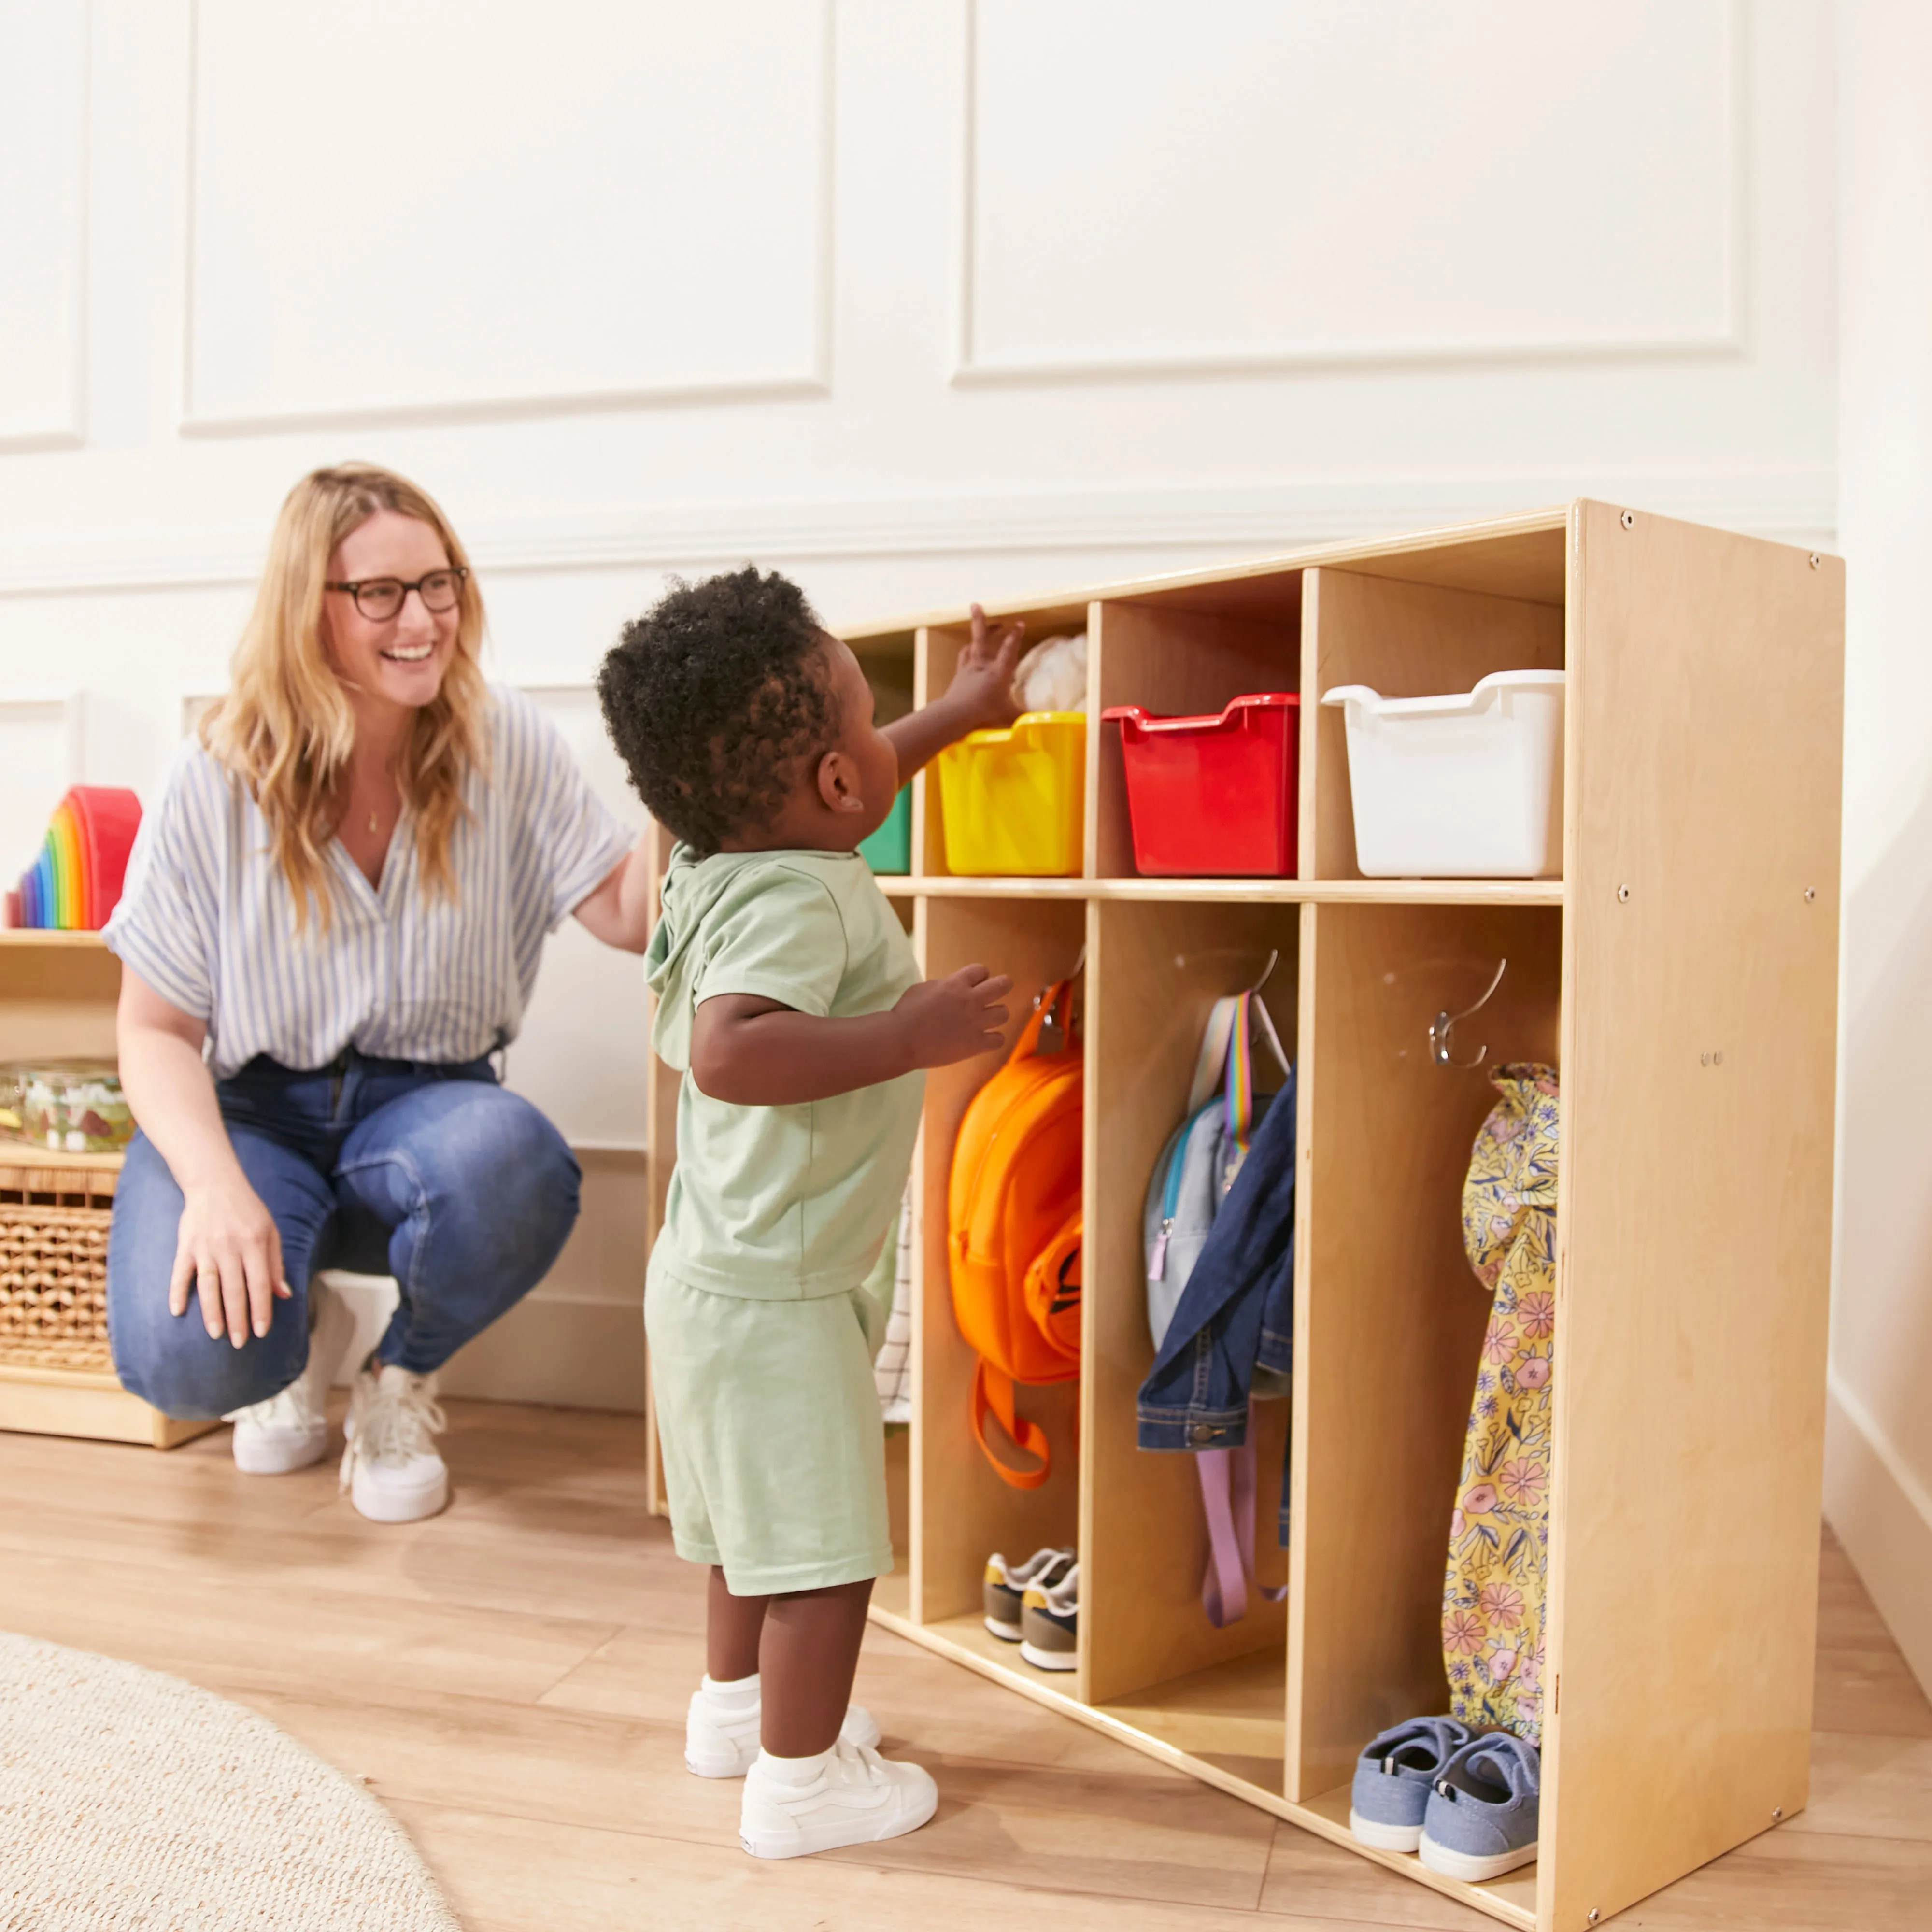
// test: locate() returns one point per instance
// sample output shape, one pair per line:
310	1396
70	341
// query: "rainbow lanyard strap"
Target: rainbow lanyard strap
1239	1087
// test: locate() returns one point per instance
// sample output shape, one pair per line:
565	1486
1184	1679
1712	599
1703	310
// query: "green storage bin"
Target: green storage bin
889	850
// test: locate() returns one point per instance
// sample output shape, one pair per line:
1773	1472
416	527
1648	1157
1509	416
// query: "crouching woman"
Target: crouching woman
333	919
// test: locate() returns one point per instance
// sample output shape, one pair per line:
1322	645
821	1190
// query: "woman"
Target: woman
332	919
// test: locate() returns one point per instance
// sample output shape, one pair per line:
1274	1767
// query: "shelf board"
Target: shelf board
41	936
89	1403
1336	891
1239	892
24	1154
1221	1706
947	887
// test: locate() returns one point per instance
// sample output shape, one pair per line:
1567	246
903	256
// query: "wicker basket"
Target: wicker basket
53	1266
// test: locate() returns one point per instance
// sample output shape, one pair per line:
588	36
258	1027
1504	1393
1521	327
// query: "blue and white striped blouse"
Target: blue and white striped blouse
207	919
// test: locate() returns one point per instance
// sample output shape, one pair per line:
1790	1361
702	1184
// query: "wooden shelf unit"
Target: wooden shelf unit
1682	974
57	993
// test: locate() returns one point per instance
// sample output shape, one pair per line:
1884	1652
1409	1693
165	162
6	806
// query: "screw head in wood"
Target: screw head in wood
1777	1814
1815	559
1810	893
1593	1915
1623	895
1628	520
1703	1060
1718	1058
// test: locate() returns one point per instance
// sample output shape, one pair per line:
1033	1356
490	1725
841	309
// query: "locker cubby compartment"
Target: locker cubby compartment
1408	638
1157	968
1390	1318
962	1510
890	661
1178	659
937	646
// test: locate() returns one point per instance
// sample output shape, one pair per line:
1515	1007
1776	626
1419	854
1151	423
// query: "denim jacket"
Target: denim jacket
1237	1313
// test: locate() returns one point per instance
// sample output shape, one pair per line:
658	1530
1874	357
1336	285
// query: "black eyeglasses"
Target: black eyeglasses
380	598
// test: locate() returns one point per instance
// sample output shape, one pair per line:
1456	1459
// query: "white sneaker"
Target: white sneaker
391	1469
290	1431
859	1799
720	1739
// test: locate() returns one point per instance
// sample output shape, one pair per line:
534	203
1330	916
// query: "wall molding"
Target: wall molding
1881	1511
68	429
1795	506
814	382
1729	342
1913	1492
66	709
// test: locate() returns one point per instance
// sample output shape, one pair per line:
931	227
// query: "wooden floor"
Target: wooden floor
510	1679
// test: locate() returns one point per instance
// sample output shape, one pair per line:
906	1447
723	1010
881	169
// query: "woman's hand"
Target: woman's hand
981	693
229	1249
229	1253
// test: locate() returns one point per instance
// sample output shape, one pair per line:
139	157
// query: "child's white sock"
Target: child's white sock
738	1695
795	1771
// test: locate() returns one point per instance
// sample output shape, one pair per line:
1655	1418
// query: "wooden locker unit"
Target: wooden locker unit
1682	973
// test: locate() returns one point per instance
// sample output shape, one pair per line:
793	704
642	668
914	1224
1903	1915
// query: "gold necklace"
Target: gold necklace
375	823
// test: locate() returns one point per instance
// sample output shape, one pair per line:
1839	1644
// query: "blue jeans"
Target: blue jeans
434	1174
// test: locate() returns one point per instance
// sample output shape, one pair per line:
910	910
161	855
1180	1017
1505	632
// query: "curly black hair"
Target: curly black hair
714	696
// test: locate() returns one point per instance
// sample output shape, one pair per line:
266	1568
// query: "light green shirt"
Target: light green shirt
781	1203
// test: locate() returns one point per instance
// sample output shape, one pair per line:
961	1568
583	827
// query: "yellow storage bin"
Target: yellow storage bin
1011	802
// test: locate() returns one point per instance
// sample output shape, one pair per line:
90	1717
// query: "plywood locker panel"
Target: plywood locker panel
1705	727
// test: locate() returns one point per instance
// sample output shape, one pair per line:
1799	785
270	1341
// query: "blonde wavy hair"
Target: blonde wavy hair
286	730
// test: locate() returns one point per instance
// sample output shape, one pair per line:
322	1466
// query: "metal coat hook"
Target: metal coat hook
1073	973
1050	1023
1442	1027
1267	971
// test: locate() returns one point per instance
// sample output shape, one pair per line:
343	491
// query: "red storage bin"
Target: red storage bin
1214	797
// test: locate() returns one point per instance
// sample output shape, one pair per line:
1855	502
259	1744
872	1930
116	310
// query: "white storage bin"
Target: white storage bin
1458	787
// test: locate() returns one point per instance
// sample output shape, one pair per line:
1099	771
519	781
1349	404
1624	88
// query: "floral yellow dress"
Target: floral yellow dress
1492	1595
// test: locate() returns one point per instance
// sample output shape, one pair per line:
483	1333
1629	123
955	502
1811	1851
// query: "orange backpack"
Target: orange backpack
1013	1231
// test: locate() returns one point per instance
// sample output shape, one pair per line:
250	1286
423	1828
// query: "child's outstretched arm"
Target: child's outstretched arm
755	1052
981	695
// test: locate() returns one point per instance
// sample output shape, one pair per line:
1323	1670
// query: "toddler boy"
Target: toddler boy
789	996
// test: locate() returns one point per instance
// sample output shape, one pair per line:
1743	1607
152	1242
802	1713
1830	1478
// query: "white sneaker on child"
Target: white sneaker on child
290	1431
848	1795
721	1729
391	1469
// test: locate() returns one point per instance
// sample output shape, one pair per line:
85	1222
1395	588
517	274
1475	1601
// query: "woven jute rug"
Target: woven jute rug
131	1800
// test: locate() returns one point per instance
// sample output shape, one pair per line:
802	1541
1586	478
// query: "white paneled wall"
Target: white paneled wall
514	189
43	149
1408	179
919	299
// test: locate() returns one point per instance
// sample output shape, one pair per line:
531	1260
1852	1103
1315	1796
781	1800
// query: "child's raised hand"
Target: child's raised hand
983	685
955	1017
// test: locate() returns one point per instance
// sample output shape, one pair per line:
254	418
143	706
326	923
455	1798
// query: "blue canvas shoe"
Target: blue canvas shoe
1394	1777
1481	1819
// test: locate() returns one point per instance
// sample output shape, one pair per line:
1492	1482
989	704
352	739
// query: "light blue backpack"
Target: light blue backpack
1204	1154
1191	1180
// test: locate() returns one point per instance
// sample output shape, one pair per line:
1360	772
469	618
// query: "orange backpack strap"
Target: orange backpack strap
1055	1003
993	1394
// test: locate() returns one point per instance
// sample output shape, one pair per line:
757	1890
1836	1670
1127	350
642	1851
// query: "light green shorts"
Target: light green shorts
768	1418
